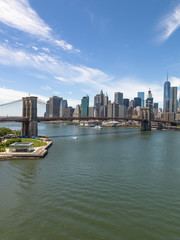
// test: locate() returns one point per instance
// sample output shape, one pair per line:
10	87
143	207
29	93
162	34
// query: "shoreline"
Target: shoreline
38	153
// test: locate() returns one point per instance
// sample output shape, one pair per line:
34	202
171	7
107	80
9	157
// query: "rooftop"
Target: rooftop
18	144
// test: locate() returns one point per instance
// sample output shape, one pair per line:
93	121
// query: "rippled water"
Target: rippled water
112	184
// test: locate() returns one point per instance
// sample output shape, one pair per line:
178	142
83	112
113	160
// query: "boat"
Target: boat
75	137
98	127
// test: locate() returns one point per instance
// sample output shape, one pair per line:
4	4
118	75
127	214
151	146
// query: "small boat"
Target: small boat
75	137
98	127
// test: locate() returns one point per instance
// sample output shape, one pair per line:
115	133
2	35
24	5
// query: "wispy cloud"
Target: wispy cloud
46	88
62	71
169	24
19	14
8	95
82	76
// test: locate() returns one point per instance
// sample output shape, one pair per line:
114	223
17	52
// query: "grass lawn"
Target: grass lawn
37	143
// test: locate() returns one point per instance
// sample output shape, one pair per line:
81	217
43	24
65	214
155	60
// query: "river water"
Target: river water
112	184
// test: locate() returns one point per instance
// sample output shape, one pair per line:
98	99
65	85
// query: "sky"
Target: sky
74	48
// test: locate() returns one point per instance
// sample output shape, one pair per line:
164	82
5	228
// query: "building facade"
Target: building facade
85	106
173	100
141	96
118	98
167	86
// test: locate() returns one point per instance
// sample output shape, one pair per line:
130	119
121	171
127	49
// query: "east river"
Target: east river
111	184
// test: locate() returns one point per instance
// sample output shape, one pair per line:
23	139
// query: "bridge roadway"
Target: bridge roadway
48	119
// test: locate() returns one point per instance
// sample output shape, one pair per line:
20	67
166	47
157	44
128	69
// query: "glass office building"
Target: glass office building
141	95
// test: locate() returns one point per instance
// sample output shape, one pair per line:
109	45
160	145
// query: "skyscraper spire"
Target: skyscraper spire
167	76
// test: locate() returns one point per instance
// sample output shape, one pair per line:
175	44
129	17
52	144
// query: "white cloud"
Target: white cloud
175	82
46	49
169	24
47	88
35	48
8	95
87	78
19	14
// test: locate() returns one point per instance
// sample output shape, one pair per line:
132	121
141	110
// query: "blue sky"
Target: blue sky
71	48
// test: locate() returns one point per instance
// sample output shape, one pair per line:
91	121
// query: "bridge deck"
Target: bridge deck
47	119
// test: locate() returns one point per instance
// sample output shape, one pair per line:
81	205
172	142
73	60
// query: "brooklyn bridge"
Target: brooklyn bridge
29	118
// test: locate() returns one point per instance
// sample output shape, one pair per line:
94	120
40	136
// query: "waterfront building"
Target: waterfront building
91	111
177	118
54	105
96	112
149	100
63	105
110	110
137	102
122	111
141	96
131	104
101	111
21	147
126	102
46	114
106	100
115	110
85	106
129	112
101	98
97	100
166	109
156	106
167	86
77	111
68	112
169	116
138	111
173	100
105	111
118	98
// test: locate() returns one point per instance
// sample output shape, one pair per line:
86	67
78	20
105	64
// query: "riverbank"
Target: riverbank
38	152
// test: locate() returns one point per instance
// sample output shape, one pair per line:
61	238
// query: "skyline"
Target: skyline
76	48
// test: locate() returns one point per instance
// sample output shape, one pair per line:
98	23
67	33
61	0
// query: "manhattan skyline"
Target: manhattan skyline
74	48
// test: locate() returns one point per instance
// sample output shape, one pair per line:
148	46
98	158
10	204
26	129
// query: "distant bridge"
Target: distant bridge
84	118
30	119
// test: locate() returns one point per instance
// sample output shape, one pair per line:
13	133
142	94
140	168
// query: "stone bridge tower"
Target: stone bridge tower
29	111
146	119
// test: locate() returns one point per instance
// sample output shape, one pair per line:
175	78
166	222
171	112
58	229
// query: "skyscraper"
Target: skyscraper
167	86
101	98
141	95
85	106
137	102
126	102
52	107
106	100
63	105
118	98
149	100
173	100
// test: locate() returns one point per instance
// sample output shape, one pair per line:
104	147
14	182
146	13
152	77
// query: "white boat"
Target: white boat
98	127
75	137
